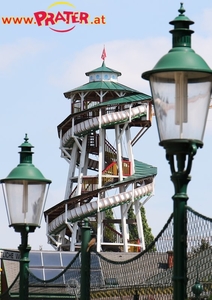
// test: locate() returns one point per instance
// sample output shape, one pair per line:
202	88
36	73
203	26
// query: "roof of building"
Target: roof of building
125	99
100	86
104	69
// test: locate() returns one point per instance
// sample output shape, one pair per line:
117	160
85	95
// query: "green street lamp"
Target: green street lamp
25	190
181	85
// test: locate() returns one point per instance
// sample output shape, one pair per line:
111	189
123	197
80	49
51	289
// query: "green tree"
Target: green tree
148	236
109	235
133	233
203	245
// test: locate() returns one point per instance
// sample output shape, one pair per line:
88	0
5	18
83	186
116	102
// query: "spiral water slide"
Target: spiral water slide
67	210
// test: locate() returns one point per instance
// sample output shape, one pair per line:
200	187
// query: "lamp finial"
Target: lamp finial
26	138
181	10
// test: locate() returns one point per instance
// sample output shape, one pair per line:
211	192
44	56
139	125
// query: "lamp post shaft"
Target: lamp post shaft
85	262
24	249
180	155
180	236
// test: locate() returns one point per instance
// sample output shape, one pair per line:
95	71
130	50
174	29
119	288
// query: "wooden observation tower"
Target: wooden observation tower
97	142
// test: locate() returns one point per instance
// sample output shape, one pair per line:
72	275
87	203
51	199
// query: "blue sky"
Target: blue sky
37	65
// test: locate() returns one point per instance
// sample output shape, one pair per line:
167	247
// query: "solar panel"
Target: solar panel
35	258
95	264
51	259
51	273
67	257
46	265
38	273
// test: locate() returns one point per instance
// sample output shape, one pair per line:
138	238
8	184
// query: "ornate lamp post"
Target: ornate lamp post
181	88
25	190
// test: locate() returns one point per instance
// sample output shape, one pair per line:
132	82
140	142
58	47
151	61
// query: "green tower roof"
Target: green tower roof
101	85
104	69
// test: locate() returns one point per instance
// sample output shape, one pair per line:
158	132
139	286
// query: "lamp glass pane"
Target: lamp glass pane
25	201
181	103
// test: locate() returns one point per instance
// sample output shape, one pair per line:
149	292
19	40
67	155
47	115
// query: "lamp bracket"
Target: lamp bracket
180	154
25	228
183	151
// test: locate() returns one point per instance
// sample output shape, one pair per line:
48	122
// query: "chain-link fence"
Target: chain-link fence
147	275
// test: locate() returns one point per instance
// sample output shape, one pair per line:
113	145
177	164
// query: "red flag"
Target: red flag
103	54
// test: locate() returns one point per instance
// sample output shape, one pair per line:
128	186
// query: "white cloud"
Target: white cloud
206	24
202	46
12	53
130	57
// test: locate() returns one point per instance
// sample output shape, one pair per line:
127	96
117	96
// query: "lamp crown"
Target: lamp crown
25	169
181	57
181	34
26	153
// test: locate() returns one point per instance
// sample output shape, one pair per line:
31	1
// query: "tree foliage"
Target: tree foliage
203	245
108	233
133	232
148	236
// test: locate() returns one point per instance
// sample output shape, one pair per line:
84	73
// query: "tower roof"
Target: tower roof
104	69
101	85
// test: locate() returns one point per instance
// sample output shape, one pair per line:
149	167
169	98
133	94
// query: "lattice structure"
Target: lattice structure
147	275
96	140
